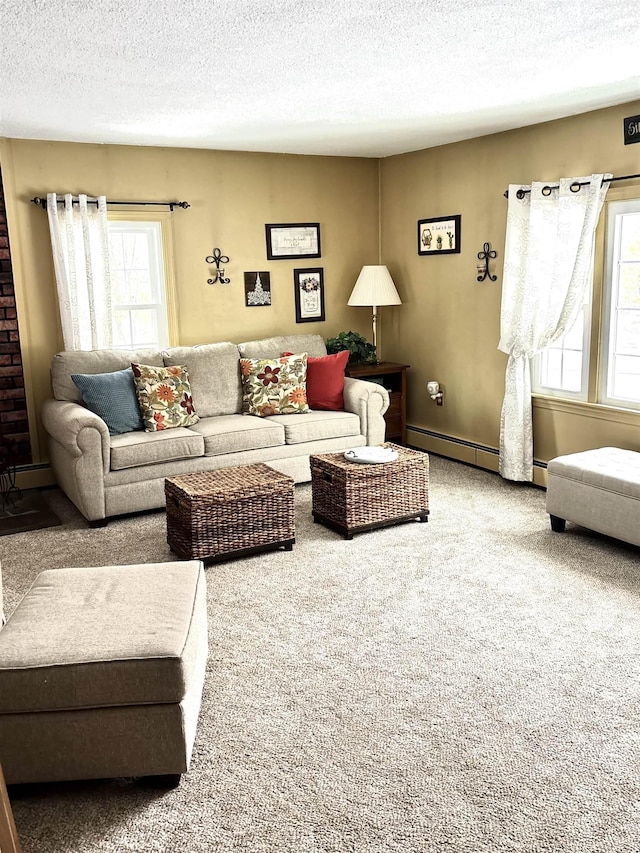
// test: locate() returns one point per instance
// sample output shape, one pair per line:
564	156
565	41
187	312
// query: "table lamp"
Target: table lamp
374	287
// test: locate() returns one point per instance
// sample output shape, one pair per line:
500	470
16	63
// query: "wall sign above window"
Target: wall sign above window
631	130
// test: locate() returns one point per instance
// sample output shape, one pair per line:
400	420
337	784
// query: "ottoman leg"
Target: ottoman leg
557	524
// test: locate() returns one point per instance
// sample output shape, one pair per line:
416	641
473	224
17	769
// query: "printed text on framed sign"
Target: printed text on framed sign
290	242
439	236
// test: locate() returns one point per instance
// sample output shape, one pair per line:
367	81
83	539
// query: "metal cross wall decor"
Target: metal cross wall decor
483	271
218	258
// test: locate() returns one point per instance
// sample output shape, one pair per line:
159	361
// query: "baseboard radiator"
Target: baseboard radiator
470	452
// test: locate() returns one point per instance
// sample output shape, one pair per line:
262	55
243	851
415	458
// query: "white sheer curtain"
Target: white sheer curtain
80	244
547	261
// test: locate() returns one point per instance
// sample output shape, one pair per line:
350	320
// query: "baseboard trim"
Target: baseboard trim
469	452
34	476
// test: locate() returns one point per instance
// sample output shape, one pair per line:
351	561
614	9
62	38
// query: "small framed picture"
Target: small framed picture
257	289
290	242
439	236
309	294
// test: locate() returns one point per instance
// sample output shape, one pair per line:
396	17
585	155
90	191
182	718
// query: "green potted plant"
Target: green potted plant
360	350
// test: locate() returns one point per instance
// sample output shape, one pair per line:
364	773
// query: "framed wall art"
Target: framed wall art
290	242
309	294
257	289
439	236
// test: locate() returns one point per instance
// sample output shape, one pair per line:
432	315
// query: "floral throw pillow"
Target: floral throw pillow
274	386
164	394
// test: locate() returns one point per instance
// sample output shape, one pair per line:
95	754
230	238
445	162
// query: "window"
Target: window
561	368
620	374
610	319
139	287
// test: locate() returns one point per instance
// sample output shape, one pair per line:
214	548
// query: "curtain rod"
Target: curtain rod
170	204
575	186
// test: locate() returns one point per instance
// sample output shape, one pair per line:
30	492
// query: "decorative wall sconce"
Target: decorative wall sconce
483	269
218	258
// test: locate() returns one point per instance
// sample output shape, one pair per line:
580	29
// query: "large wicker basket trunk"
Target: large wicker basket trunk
229	512
352	497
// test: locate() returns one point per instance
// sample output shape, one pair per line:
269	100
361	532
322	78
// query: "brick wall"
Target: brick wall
14	426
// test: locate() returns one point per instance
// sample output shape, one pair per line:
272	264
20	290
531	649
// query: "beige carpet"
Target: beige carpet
467	685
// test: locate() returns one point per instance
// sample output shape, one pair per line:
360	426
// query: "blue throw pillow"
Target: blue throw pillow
112	396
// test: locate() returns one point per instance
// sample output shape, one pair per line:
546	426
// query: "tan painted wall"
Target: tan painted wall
448	326
232	196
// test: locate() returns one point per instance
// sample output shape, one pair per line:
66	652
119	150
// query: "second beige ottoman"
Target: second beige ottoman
598	489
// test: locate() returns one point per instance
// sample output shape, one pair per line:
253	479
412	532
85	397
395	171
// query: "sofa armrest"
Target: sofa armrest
369	401
76	429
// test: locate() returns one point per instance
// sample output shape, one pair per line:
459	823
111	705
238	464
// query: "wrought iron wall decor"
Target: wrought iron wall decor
483	271
218	258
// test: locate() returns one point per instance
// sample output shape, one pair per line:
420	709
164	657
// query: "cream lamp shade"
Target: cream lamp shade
374	287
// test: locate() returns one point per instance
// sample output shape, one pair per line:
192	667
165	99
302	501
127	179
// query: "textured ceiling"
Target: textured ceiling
345	77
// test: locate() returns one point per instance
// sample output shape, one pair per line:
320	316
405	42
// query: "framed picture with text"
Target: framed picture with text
439	236
290	242
309	294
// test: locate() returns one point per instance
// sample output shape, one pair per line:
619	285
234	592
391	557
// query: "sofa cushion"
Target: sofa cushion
272	347
105	637
165	398
235	433
274	386
317	425
111	396
93	361
214	373
147	448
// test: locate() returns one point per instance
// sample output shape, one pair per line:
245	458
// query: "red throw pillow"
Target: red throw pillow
325	381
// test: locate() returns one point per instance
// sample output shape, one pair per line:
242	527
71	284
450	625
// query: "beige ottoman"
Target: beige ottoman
598	489
101	673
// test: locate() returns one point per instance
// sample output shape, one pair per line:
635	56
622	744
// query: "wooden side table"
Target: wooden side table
394	378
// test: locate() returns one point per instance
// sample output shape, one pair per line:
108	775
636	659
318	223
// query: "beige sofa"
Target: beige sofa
107	475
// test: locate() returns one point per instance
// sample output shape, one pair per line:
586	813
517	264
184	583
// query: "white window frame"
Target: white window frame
159	225
611	271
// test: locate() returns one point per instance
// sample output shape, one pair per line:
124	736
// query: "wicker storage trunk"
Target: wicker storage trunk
229	512
352	497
